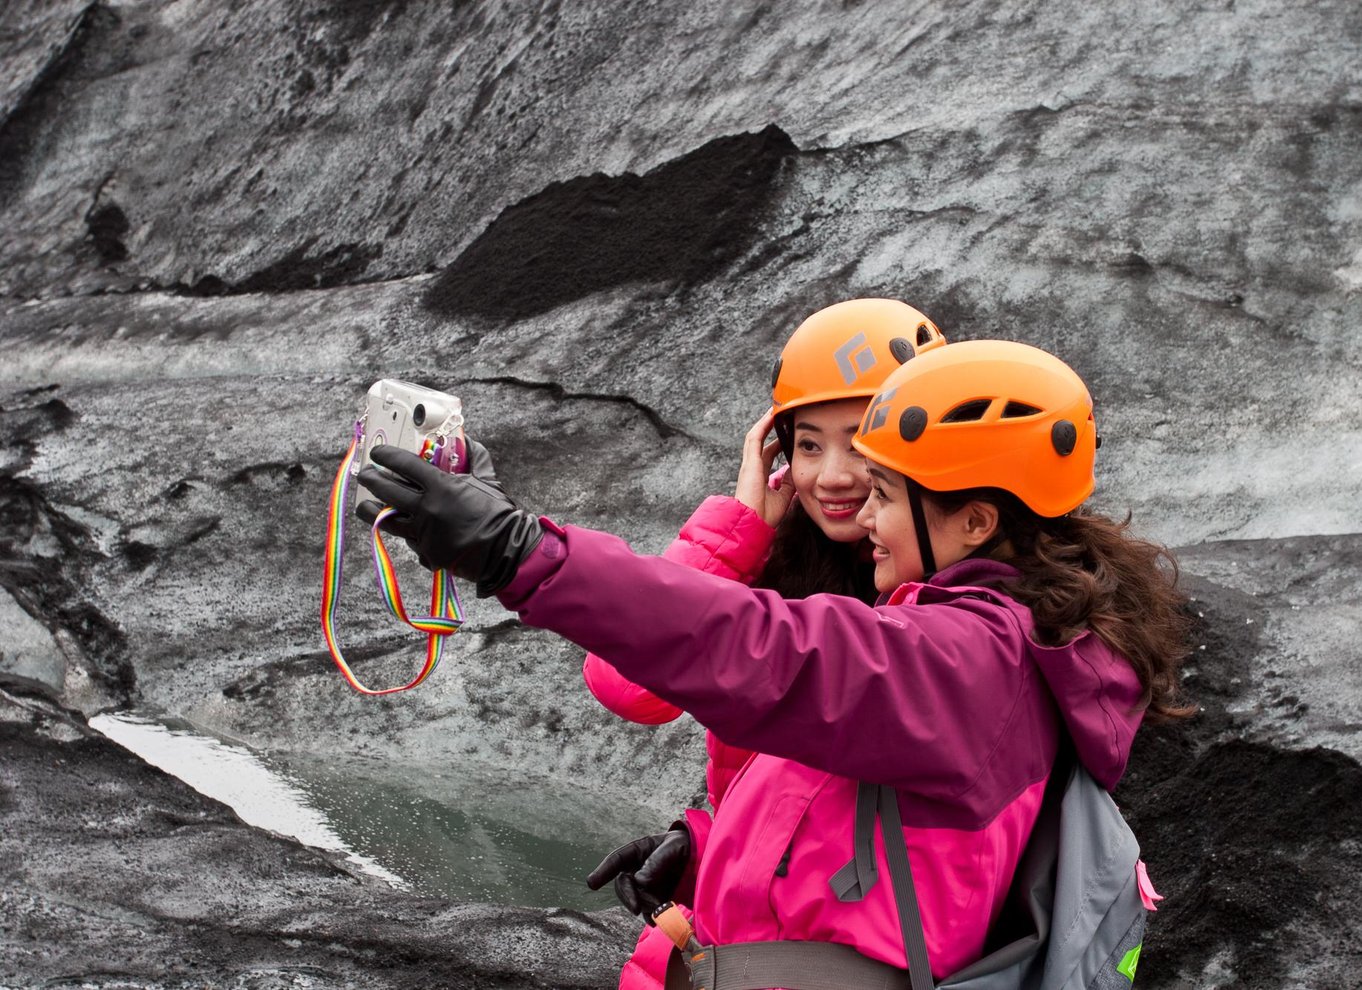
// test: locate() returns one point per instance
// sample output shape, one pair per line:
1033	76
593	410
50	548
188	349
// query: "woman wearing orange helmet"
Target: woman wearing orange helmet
798	534
915	739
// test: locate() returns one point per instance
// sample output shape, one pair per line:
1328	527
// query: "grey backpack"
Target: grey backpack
1076	919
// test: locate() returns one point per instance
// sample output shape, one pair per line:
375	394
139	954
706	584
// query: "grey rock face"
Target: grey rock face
596	224
28	651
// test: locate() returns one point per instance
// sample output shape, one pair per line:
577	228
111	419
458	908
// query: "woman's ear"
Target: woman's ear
978	523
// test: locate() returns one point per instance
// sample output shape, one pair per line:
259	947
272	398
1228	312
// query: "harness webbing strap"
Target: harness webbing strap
675	926
446	612
854	880
792	965
905	895
818	965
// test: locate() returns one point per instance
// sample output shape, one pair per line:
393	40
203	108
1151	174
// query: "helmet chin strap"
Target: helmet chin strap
924	537
784	427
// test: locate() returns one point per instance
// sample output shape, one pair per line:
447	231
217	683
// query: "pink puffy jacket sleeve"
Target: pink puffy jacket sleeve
722	537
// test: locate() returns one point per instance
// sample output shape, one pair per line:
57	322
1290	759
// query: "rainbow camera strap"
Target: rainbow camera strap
446	610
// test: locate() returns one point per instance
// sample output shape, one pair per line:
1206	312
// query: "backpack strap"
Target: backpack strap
855	879
905	895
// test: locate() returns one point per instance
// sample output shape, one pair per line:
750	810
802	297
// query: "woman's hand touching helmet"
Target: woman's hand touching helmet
754	488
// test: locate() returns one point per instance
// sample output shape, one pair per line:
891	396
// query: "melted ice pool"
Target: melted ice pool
447	833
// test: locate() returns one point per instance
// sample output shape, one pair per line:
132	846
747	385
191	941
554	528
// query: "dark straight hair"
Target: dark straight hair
805	562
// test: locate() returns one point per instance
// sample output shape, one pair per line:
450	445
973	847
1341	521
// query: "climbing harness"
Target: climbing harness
446	611
815	965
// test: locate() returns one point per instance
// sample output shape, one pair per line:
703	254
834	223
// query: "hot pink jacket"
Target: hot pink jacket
940	693
722	537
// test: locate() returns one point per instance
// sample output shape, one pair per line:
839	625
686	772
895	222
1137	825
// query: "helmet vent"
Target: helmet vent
1016	410
912	423
924	335
968	412
775	372
1064	435
902	349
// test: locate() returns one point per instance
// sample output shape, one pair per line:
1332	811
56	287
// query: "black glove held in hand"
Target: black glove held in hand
646	871
455	521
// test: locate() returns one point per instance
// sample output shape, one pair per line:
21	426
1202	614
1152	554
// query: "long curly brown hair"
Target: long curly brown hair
1084	571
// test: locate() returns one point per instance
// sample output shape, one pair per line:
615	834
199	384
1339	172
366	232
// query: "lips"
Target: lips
840	509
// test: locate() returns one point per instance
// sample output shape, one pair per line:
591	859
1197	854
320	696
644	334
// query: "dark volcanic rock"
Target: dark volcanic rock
1251	832
680	223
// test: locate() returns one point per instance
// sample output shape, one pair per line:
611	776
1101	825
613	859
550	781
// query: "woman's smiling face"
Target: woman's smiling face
829	475
888	516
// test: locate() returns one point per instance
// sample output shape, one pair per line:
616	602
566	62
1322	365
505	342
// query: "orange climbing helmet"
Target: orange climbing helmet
847	350
987	413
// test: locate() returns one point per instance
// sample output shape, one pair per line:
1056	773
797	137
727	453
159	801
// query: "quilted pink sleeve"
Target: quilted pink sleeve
723	537
623	697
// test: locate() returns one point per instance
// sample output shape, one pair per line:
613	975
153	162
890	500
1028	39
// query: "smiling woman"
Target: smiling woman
797	532
888	514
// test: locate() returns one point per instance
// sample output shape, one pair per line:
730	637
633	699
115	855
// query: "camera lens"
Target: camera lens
418	415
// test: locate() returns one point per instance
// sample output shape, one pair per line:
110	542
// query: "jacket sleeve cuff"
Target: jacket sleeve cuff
724	537
542	563
698	823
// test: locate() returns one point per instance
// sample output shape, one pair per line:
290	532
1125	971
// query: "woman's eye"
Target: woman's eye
806	445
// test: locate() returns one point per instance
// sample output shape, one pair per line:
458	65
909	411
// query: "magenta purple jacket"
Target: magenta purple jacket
940	693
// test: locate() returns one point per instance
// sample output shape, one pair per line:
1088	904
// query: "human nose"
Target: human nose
843	469
866	516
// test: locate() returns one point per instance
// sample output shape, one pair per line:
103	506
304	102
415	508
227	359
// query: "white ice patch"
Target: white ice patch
235	776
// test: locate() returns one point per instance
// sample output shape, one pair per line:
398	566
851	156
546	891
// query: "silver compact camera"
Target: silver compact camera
415	418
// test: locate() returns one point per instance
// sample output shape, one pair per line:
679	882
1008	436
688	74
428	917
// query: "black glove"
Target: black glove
477	462
480	463
646	871
455	521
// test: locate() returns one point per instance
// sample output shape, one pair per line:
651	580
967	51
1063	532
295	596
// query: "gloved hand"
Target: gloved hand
455	521
477	461
646	871
480	463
